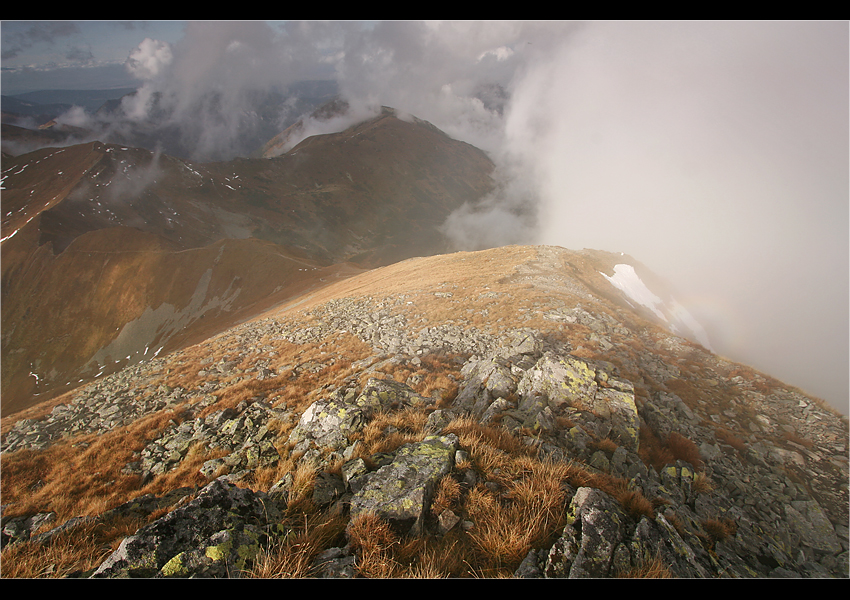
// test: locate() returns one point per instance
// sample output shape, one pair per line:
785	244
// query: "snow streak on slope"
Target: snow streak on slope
674	315
626	280
682	319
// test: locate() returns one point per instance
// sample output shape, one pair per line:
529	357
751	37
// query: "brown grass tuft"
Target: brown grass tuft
529	513
657	454
447	495
655	568
301	492
637	505
374	541
702	483
607	445
729	438
78	550
793	437
719	529
389	430
82	475
651	451
684	449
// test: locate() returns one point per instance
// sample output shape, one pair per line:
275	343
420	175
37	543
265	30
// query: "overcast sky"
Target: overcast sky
716	153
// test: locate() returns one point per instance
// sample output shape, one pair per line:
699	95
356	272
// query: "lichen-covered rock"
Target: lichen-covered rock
677	481
485	380
658	539
328	423
224	554
327	487
565	384
18	528
563	380
617	406
401	491
595	527
202	524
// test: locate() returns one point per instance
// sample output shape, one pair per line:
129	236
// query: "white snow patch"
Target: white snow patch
626	280
682	316
677	317
8	236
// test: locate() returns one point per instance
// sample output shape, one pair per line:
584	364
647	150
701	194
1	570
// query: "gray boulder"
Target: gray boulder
401	492
216	533
596	526
328	423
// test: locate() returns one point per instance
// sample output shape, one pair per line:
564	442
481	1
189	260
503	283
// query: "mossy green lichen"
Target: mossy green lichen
175	567
219	552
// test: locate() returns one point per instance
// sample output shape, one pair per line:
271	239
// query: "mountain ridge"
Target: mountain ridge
278	367
713	468
372	194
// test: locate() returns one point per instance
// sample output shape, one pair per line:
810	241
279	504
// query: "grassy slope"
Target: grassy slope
73	281
73	478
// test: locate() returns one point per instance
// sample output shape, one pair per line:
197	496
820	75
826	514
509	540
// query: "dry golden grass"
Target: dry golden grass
447	495
657	454
529	510
526	510
418	278
375	543
702	484
388	430
692	395
78	550
301	492
651	450
654	568
82	475
729	438
488	446
636	504
36	412
384	553
530	514
607	445
292	555
428	566
797	439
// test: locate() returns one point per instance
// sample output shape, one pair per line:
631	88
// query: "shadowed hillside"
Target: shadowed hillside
112	253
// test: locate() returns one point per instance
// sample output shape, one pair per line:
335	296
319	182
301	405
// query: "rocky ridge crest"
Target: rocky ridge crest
577	379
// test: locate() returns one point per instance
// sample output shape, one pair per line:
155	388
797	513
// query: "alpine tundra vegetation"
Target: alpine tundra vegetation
503	413
343	299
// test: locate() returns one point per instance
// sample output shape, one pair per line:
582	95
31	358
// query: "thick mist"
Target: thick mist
716	153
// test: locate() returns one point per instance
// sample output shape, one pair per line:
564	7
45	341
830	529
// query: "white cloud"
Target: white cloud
149	59
709	150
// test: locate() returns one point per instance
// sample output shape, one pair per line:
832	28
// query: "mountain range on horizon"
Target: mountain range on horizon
64	117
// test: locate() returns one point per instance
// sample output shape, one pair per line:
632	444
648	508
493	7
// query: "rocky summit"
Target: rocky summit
503	413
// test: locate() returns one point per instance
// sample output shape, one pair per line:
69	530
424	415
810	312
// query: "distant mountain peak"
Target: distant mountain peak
371	195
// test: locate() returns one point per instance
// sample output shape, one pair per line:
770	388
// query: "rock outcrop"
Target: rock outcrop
401	491
215	535
691	466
